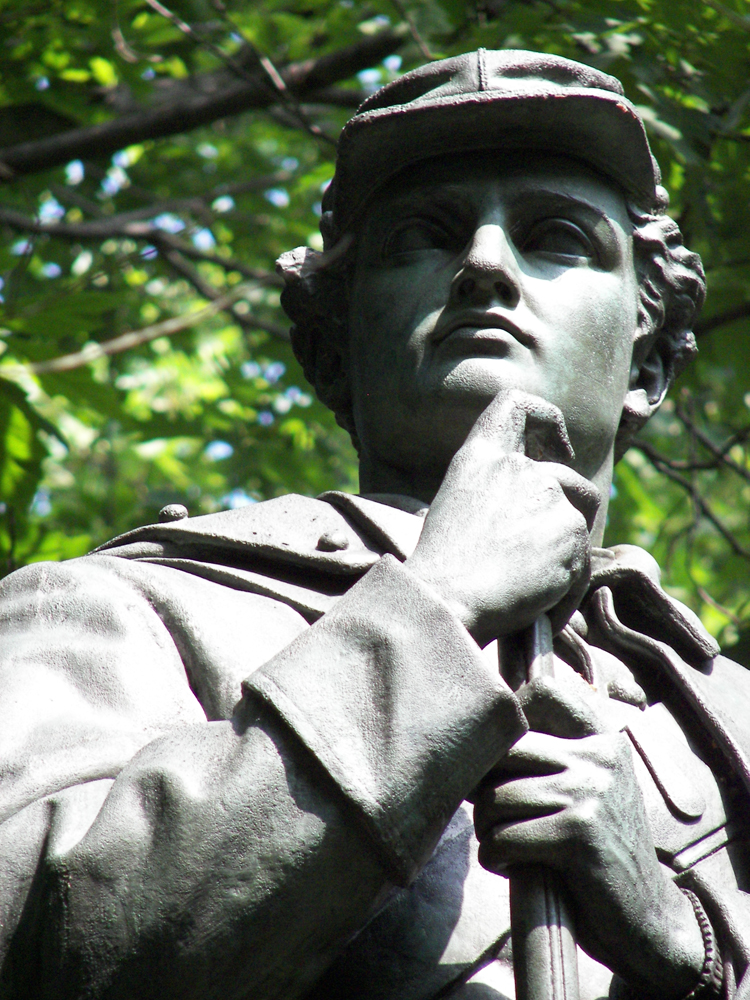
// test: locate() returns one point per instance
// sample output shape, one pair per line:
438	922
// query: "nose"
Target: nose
489	273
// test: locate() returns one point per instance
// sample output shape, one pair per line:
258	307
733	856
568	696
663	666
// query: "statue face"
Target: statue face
479	273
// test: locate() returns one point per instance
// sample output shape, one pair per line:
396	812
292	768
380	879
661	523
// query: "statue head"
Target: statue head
509	114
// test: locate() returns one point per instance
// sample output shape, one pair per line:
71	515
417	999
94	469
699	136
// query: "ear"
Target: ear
650	379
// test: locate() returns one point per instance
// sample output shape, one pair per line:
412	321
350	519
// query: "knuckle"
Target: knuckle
516	460
543	689
478	451
577	823
514	463
620	756
612	751
595	495
580	531
547	479
605	758
518	398
539	694
545	491
490	856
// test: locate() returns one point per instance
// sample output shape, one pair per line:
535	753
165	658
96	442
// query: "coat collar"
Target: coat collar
634	579
339	534
395	522
290	531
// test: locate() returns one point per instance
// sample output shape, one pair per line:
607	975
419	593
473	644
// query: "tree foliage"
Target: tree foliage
155	161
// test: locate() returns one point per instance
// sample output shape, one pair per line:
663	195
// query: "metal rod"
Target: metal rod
545	963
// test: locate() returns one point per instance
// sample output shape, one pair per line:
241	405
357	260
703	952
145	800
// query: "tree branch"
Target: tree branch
662	466
738	20
164	243
185	270
275	79
414	31
128	225
704	326
196	108
171	249
341	97
198	204
256	274
126	341
720	454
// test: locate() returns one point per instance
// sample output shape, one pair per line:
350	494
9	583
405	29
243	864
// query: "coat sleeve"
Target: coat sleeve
146	851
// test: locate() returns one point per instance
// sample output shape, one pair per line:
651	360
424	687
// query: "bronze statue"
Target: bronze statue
268	753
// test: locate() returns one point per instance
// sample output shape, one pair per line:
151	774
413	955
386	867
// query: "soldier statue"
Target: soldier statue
296	750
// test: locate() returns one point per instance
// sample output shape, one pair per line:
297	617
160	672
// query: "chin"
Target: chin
485	374
473	383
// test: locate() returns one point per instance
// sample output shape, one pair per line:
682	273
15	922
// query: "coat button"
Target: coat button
172	512
332	541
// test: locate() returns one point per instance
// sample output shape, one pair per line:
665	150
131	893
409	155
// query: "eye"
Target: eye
559	238
417	234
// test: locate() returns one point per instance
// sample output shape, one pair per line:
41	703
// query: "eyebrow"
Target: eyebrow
566	198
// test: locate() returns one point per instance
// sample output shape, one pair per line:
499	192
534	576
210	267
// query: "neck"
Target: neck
379	477
603	482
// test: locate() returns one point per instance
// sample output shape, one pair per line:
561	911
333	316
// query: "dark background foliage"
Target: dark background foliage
156	160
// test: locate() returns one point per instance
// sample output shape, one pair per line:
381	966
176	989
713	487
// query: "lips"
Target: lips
481	326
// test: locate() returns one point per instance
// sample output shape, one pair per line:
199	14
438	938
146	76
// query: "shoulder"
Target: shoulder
292	529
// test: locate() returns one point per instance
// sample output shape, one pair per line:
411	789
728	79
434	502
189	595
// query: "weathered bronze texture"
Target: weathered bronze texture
268	753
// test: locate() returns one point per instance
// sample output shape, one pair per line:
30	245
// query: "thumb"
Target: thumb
560	710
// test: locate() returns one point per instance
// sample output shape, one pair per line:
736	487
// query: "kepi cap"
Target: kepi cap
507	100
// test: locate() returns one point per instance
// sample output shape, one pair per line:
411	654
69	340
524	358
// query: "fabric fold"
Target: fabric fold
389	709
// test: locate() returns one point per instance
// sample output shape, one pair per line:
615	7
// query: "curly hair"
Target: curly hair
315	297
672	288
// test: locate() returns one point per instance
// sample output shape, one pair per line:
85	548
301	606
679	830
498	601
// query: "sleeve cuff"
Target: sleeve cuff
389	692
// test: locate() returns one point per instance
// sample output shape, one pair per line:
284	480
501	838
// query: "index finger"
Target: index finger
580	492
527	424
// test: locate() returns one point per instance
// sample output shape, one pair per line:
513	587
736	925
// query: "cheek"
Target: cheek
596	321
377	320
602	326
392	313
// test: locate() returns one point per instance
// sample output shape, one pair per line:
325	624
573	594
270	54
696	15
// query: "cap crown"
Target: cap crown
508	70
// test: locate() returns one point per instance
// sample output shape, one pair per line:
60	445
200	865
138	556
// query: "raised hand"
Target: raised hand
507	536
